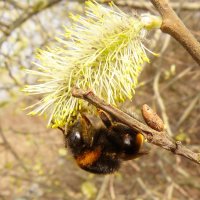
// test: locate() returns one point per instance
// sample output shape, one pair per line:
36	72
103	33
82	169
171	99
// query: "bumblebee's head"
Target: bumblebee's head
75	139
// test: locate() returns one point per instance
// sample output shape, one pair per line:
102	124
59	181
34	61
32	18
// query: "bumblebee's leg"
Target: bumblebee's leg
106	119
116	128
112	124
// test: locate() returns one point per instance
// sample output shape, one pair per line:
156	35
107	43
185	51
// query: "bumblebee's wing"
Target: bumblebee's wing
86	129
89	124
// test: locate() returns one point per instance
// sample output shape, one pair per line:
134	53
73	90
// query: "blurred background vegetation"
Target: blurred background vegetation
33	161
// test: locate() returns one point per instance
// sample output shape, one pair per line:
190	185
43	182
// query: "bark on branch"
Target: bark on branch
155	137
174	26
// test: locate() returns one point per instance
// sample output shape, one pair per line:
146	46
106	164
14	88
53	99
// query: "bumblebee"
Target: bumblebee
101	148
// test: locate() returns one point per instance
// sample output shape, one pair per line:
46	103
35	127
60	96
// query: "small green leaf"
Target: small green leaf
88	189
182	137
62	152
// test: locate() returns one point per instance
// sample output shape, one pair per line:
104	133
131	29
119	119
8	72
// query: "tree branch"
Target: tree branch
189	6
174	26
14	153
155	137
27	14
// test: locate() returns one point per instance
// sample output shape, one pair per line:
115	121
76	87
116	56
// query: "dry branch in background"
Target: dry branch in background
26	15
172	25
155	137
189	6
11	149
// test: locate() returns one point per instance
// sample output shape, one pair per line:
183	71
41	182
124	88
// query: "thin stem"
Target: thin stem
174	26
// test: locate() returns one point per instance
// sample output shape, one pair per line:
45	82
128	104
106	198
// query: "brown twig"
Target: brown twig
111	187
14	153
188	110
189	6
15	80
103	187
158	138
172	25
161	103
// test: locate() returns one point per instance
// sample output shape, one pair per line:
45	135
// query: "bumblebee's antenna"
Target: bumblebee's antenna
62	130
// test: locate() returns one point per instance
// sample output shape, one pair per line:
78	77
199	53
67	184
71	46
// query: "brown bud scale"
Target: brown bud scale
152	119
